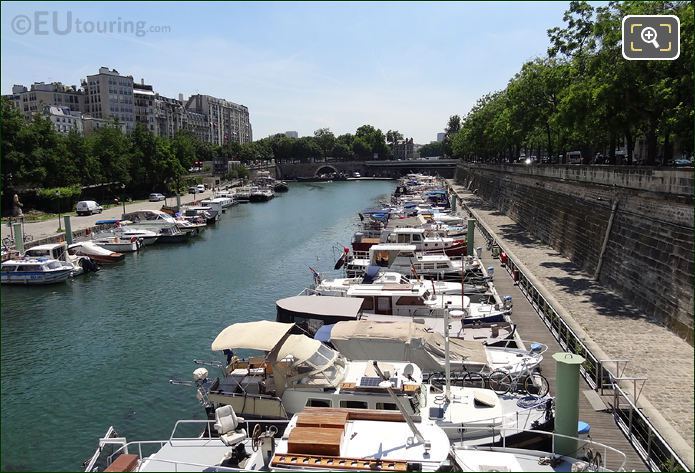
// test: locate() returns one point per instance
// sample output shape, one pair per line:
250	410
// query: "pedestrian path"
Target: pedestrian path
621	331
531	328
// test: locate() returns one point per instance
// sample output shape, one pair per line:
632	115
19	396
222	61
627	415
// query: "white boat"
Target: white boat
407	341
34	271
150	219
210	215
242	194
416	300
377	275
218	203
261	194
118	244
95	252
128	231
406	260
59	251
314	440
298	372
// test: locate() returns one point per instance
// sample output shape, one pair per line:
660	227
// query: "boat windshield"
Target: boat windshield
54	265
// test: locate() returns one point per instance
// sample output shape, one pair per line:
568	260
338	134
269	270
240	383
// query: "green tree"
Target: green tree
325	140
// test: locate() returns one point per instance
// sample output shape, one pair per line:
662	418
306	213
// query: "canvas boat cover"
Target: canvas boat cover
401	341
261	335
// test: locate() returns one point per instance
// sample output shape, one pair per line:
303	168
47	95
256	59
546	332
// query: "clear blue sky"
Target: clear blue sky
297	66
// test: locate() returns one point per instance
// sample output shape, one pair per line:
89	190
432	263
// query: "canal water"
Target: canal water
100	350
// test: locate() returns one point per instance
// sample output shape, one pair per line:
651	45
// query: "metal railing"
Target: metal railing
650	445
609	457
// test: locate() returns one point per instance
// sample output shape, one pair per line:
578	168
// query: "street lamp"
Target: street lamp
60	225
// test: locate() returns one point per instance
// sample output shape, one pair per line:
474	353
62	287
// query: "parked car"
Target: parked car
193	190
682	162
88	207
156	197
200	187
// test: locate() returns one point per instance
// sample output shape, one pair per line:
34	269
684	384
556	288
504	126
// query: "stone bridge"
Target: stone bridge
441	167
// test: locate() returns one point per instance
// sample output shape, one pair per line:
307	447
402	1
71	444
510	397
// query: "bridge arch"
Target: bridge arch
325	169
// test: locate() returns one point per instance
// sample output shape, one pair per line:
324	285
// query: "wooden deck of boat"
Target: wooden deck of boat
531	328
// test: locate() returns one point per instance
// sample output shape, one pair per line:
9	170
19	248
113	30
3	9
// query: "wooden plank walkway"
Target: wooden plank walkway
531	328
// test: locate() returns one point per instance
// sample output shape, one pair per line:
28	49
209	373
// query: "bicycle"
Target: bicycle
531	382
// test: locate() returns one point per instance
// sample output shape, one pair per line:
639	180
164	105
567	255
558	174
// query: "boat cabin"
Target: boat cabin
57	251
150	218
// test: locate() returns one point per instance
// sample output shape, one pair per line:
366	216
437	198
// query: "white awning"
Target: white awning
262	335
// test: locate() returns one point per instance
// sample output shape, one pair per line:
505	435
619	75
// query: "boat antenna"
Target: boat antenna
387	384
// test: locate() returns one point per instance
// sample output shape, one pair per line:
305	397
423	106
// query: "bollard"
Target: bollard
68	229
470	236
18	237
567	402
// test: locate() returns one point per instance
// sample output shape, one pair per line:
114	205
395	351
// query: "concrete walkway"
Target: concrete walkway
620	330
48	228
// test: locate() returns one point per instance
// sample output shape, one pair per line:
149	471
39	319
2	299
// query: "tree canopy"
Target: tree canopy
585	96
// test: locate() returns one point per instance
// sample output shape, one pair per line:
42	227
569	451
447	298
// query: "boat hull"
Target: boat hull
37	278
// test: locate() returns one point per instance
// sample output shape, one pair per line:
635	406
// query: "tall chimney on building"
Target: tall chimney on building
180	97
142	81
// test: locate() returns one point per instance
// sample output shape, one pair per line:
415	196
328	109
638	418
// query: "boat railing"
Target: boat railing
152	446
651	446
601	456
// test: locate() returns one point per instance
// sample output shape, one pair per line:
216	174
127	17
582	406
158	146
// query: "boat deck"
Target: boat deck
531	327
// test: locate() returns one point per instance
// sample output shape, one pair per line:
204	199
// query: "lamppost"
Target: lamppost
123	196
60	225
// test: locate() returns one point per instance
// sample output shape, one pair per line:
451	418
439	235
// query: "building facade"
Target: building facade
292	134
404	149
39	96
64	120
227	121
109	95
144	106
169	116
441	136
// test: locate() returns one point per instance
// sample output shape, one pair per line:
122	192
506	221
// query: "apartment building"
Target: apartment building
40	95
109	95
227	121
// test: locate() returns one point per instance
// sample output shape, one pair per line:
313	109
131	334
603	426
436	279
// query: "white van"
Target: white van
88	207
574	157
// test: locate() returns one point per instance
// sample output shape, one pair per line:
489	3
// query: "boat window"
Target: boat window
54	265
368	303
417	237
427	265
426	295
9	268
403	238
409	300
386	406
29	267
321	357
37	253
442	265
318	403
354	404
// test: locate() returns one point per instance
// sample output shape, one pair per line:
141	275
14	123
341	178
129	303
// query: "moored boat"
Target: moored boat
34	271
96	253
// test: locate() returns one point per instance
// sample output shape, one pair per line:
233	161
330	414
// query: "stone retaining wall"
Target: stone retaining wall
649	255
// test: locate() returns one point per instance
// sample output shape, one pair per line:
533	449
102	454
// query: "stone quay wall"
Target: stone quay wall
648	257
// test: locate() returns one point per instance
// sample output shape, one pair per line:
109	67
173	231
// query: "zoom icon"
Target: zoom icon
651	37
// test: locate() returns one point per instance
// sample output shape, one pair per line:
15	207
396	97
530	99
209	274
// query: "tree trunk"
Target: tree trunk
668	147
550	144
630	145
611	147
651	144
